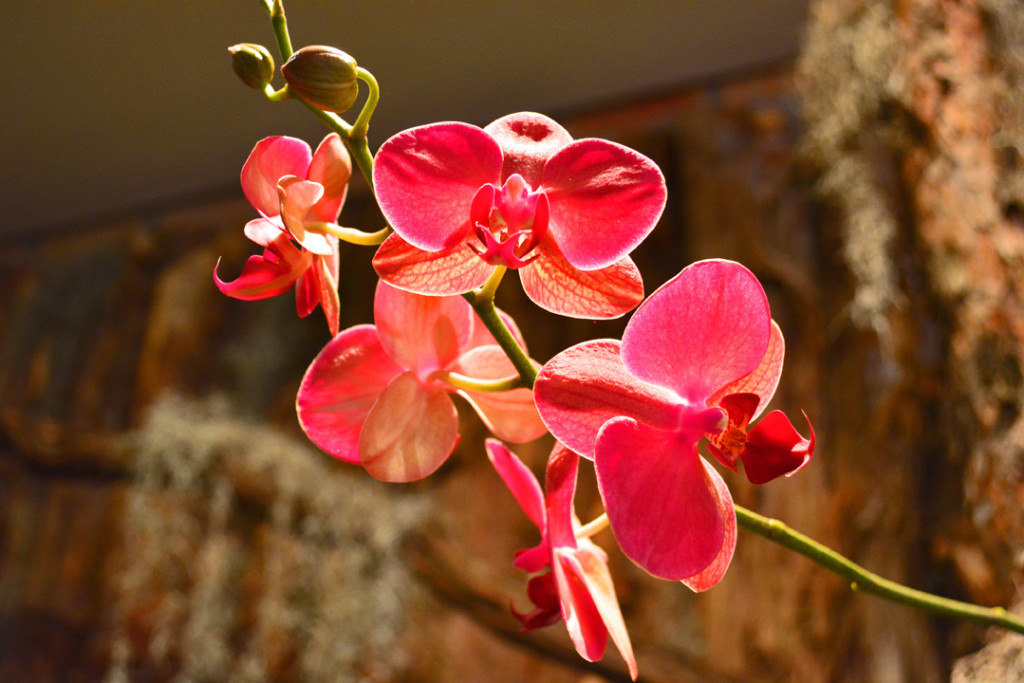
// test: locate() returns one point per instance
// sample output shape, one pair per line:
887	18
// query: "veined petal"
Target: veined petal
556	285
339	388
714	572
409	432
703	329
527	141
662	504
270	160
605	199
331	167
422	333
763	380
449	271
425	180
585	386
519	480
510	415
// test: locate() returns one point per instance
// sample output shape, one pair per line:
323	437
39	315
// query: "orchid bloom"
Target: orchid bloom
579	587
295	191
377	396
522	194
700	358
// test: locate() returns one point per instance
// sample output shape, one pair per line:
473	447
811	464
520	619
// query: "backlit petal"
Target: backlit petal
331	167
703	329
425	179
422	333
582	619
510	415
662	504
409	432
519	480
527	141
339	388
605	199
763	380
554	284
270	160
714	572
449	271
586	385
598	581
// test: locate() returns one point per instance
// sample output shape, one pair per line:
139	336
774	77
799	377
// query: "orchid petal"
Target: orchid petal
268	275
449	271
509	415
340	387
714	572
318	286
605	199
762	380
263	231
582	619
519	480
594	573
527	141
409	432
662	504
422	333
586	385
425	180
559	489
331	167
555	285
774	448
703	329
270	160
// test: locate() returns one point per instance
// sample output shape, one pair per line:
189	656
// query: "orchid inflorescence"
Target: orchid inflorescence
697	365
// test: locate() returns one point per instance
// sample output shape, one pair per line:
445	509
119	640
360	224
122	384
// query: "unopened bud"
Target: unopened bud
323	76
253	64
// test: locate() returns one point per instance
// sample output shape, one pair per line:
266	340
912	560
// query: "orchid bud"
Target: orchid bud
323	76
253	64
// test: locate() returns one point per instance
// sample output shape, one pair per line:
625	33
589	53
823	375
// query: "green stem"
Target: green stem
482	301
275	8
865	581
352	235
362	123
474	384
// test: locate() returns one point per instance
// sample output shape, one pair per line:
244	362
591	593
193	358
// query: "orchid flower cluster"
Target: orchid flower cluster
697	365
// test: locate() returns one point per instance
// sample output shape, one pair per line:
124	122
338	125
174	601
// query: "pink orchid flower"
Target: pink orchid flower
378	396
579	587
295	190
700	358
520	193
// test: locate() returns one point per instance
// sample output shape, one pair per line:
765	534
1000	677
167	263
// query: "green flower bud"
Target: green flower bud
253	64
323	76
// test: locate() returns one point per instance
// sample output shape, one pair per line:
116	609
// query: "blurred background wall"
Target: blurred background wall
161	515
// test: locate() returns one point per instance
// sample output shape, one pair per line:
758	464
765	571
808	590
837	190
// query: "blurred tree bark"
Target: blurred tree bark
161	518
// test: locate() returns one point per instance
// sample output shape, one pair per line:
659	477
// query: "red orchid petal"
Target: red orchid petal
774	448
559	490
714	572
533	559
605	199
409	432
586	385
331	167
762	380
662	504
449	271
510	415
542	593
422	333
519	480
264	231
318	286
270	160
425	180
555	285
527	141
703	329
598	581
268	275
582	619
339	388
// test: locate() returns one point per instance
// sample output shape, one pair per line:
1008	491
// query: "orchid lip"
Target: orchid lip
509	223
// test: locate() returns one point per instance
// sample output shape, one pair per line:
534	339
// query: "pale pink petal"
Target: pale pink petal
706	327
509	415
422	333
297	197
425	179
331	167
582	619
519	480
555	285
527	141
339	388
263	231
605	199
410	431
598	580
270	160
586	385
661	502
449	271
714	572
763	380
